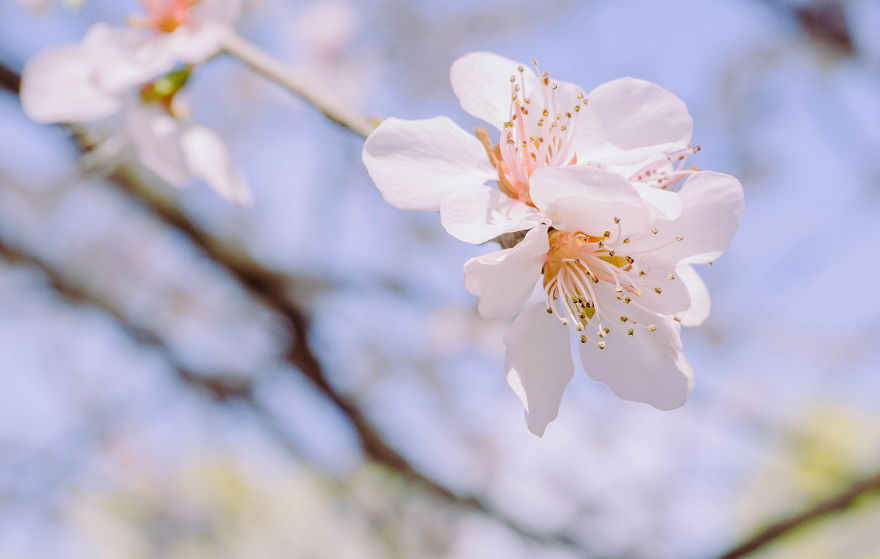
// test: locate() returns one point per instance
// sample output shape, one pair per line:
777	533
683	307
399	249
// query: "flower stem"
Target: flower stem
333	108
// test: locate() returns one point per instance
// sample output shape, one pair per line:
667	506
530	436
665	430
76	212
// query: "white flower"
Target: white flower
611	274
95	79
624	125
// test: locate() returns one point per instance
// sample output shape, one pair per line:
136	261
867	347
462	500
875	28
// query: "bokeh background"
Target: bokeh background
180	378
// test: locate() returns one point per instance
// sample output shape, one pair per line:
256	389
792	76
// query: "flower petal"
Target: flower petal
156	137
586	199
478	213
123	58
647	367
503	280
57	85
481	81
663	203
208	158
416	163
538	364
712	207
629	113
700	302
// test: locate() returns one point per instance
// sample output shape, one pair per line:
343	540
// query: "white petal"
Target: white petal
586	199
417	163
627	114
195	45
503	280
647	367
481	81
123	58
700	302
663	203
538	364
156	137
58	85
477	213
712	207
208	158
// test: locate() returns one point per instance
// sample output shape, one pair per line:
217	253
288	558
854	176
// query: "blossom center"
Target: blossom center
585	275
165	16
537	134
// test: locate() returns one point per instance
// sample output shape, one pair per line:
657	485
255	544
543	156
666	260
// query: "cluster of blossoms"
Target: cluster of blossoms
589	183
139	71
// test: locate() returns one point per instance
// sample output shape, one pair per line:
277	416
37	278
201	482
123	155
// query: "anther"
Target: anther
607	234
679	238
641	273
618	289
623	319
601	334
512	79
630	331
601	345
577	109
545	113
595	279
658	290
630	259
626	240
616	220
565	322
676	319
583	339
638	292
600	245
627	300
606	330
654	230
520	68
550	311
670	276
652	328
610	253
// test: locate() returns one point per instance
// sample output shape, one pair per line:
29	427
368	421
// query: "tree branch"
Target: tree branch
838	503
333	108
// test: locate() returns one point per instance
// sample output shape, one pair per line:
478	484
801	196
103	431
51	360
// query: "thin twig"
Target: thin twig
839	502
300	85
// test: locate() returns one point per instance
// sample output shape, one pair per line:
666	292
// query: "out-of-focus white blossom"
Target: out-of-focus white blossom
98	77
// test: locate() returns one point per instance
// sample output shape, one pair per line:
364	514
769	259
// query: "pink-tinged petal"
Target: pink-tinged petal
629	113
712	207
505	279
663	203
584	199
674	298
478	213
481	81
538	364
156	137
700	301
417	163
647	367
208	159
58	85
195	45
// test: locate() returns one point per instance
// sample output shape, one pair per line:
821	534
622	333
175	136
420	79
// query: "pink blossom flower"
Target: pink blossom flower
611	271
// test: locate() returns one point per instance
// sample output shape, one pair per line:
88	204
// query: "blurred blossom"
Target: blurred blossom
93	80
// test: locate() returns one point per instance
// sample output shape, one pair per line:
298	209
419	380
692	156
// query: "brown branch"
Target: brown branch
837	503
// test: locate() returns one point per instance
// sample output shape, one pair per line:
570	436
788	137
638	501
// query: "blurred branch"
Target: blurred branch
228	389
272	288
9	79
300	85
838	503
824	21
